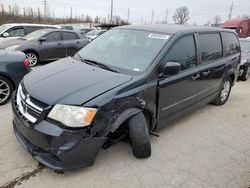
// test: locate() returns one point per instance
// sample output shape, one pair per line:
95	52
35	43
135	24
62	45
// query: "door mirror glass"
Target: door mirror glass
42	39
6	34
171	68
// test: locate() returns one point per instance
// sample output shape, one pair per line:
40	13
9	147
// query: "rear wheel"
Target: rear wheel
6	90
32	58
224	92
139	135
246	73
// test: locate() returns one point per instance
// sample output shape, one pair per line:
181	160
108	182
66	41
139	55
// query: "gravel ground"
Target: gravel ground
208	148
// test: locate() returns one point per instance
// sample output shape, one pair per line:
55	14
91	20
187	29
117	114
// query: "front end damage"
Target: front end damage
56	147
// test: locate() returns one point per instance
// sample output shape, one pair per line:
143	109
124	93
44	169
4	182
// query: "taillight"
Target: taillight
26	63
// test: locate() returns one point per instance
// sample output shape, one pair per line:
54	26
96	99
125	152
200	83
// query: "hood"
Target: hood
11	42
69	81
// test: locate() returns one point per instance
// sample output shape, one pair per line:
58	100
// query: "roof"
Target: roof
170	28
30	24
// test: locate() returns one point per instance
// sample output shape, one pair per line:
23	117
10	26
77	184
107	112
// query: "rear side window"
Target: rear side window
183	52
210	47
70	36
231	43
54	36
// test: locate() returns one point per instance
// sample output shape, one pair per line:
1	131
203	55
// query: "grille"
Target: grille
30	108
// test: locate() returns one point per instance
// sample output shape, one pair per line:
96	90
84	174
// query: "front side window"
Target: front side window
183	52
18	32
231	43
54	36
210	47
124	49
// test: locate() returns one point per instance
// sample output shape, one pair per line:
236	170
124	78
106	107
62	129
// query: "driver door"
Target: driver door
52	48
178	93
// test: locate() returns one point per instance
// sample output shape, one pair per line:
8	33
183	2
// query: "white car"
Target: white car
17	30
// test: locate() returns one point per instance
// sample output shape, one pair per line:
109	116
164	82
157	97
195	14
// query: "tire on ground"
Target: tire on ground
139	135
8	82
218	100
245	74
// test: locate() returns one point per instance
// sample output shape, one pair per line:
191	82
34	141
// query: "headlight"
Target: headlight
12	47
73	116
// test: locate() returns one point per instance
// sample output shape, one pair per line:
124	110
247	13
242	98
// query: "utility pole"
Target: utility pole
111	13
231	10
166	16
152	17
44	9
128	15
71	14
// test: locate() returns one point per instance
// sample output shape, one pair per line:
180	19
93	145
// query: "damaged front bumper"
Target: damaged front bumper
56	147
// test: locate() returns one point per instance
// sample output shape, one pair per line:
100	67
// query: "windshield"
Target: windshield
245	45
129	50
35	35
4	27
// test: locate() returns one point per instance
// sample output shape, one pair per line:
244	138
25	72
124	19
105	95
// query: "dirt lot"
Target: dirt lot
209	148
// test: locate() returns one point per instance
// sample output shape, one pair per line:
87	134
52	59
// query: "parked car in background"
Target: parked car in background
94	34
47	44
17	30
244	70
13	67
84	31
130	81
241	26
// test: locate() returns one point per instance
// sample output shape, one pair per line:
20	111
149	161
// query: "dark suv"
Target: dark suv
130	82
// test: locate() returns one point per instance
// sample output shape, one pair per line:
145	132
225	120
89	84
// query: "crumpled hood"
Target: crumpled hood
69	81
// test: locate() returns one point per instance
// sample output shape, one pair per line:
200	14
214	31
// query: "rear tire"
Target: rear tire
139	135
246	73
224	93
6	90
32	58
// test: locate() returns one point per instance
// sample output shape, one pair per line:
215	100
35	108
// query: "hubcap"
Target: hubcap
4	91
225	91
32	59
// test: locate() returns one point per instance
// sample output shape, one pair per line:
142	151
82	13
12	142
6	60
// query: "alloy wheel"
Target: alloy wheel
4	91
32	58
225	91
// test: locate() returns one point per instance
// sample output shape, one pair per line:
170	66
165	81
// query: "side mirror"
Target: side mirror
42	39
170	68
6	35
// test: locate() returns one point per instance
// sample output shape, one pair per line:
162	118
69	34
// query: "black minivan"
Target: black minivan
129	82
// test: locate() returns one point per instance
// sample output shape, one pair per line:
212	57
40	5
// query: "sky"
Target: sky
140	11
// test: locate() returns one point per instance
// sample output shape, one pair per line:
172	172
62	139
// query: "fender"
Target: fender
121	119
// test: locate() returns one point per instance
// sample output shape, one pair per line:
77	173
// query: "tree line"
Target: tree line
14	14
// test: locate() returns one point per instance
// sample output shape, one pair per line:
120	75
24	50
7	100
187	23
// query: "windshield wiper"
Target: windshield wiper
95	63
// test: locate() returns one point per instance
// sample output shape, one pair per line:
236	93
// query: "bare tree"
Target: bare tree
217	19
181	15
